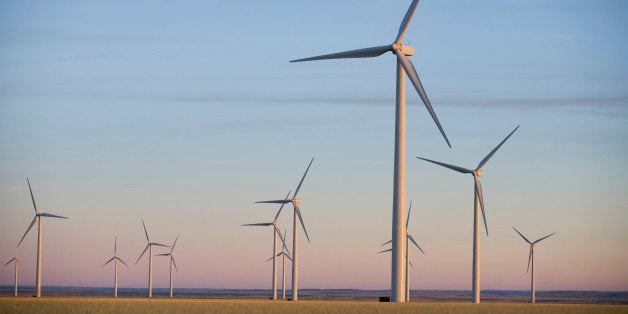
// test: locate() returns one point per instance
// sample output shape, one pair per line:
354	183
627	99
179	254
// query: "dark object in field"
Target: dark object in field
384	299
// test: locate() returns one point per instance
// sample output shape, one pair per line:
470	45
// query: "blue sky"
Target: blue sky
186	113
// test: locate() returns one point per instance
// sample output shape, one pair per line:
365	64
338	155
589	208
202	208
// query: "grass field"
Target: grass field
143	305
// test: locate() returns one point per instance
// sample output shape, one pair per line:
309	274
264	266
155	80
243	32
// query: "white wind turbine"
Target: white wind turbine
17	261
409	238
531	259
38	217
295	234
477	205
115	260
284	253
171	254
404	66
149	247
276	232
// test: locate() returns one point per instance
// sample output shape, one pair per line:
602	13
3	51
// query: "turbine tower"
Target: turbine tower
149	247
17	261
409	238
38	217
284	253
404	67
276	232
115	260
531	259
171	254
295	231
477	205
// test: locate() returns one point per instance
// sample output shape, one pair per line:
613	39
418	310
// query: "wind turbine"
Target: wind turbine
276	231
171	254
404	66
531	258
149	247
38	217
284	253
115	260
17	261
409	238
295	234
477	205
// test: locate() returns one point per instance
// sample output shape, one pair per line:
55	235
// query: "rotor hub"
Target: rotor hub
478	173
296	201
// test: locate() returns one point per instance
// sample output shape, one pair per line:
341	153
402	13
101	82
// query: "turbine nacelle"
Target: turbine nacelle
296	201
405	49
478	173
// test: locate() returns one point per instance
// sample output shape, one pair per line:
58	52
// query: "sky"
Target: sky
185	113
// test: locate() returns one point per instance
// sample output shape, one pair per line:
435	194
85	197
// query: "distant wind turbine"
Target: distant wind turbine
171	254
276	232
284	253
295	234
404	66
115	260
17	261
38	217
531	259
477	205
149	247
409	238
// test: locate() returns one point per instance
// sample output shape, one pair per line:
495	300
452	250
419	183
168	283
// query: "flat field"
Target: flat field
155	305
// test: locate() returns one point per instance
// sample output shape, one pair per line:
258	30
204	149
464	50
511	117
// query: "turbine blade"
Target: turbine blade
115	247
529	259
11	260
159	244
174	263
27	230
284	243
411	264
406	21
526	239
385	243
302	178
543	238
298	210
275	202
281	208
145	232
121	261
145	249
388	250
408	219
259	224
452	167
288	256
358	53
480	195
164	254
32	197
269	259
416	244
485	160
109	261
52	216
175	243
414	78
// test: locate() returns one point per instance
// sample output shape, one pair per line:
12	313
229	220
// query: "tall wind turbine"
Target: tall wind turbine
409	238
276	231
115	260
477	205
149	247
404	66
295	231
17	261
171	254
284	253
38	217
531	259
